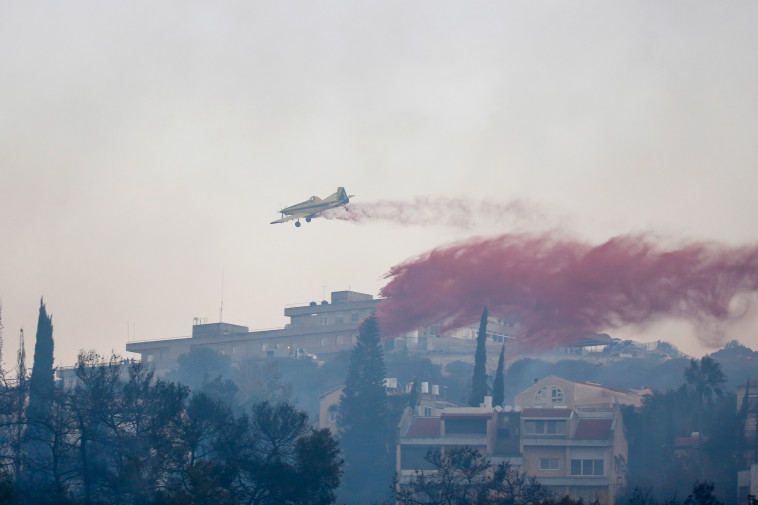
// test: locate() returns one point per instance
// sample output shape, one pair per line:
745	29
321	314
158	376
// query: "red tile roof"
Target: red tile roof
546	413
593	429
425	427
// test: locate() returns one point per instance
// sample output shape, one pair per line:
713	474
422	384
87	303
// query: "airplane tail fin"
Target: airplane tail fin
341	194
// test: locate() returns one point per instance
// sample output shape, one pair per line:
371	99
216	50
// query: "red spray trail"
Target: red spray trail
425	210
558	291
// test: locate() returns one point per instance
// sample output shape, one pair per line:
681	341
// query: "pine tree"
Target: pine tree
364	426
498	387
479	382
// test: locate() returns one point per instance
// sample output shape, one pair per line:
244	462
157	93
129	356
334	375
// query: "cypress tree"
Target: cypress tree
41	382
415	392
498	386
364	425
479	382
37	442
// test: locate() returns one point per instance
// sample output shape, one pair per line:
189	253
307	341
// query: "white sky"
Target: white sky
146	146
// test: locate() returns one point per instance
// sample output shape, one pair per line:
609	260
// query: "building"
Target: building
747	404
429	402
314	329
568	435
456	342
328	407
572	436
68	378
747	485
579	452
494	432
553	391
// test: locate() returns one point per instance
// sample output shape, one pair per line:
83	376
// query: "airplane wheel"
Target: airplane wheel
297	223
307	220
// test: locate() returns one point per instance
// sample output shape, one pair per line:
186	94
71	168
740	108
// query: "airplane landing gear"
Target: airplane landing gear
307	220
297	223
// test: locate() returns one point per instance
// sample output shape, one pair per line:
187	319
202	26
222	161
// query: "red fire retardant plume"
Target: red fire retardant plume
559	290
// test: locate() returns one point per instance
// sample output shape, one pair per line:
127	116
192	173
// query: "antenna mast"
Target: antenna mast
1	333
221	308
21	358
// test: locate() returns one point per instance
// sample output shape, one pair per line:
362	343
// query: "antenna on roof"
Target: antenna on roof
221	309
1	332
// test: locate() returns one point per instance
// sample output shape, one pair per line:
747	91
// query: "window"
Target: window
324	321
549	464
332	413
587	467
427	412
150	358
469	426
545	427
556	395
354	317
550	394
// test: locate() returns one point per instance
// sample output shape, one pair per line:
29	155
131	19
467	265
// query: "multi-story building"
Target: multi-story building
572	436
579	452
747	404
568	435
494	432
316	328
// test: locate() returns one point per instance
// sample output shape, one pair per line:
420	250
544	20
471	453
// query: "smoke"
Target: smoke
426	210
558	290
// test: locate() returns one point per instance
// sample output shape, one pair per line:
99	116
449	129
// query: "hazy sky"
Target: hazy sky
146	146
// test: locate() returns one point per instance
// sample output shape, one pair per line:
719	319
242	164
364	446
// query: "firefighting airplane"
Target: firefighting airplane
313	206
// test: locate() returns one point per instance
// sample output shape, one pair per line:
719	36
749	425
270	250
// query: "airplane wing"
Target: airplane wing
299	215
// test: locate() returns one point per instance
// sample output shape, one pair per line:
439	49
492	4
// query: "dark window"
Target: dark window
587	467
545	427
466	426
